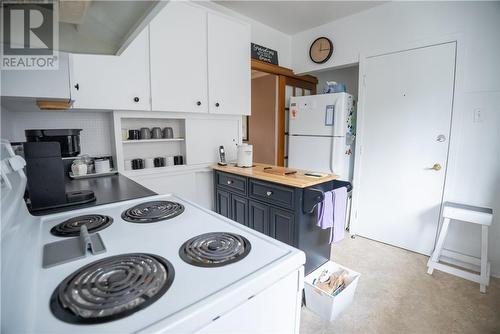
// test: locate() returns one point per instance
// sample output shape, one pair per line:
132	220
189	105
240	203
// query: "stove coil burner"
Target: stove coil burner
151	212
71	227
111	288
214	249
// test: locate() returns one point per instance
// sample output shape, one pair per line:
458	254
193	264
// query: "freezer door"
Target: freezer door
319	154
319	115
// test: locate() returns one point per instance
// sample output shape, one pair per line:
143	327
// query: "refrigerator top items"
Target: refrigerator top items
320	133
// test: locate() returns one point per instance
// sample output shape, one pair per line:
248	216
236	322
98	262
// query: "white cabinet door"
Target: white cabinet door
44	84
178	42
228	66
113	82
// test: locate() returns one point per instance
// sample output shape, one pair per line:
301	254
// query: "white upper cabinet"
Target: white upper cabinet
43	84
228	66
178	46
113	82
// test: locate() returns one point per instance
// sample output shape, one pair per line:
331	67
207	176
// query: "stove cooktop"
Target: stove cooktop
215	249
71	227
233	254
152	212
111	288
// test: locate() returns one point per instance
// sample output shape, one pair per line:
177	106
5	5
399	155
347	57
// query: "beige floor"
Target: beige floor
395	295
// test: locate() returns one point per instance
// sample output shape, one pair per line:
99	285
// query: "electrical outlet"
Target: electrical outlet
478	115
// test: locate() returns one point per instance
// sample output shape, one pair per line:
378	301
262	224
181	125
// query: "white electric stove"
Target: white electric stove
169	266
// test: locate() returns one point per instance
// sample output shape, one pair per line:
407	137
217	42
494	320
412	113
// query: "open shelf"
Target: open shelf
152	140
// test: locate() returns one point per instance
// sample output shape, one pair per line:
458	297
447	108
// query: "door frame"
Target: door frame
285	76
455	122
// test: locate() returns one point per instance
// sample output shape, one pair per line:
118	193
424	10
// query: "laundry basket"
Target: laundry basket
325	305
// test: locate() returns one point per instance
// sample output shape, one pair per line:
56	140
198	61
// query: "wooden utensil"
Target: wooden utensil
279	170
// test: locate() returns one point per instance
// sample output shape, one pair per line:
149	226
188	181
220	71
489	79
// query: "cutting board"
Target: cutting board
279	170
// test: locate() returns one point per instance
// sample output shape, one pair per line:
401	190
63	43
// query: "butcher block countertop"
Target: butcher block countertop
297	180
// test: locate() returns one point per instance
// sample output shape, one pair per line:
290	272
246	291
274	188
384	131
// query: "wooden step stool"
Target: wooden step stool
469	214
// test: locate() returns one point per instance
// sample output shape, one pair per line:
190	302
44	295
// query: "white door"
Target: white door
228	66
113	82
405	129
178	41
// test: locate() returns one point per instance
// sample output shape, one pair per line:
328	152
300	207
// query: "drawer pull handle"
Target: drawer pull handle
229	182
269	193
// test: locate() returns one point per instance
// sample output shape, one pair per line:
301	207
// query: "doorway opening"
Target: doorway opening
262	125
267	128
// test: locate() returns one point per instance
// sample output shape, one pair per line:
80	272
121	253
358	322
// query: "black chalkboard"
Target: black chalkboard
262	53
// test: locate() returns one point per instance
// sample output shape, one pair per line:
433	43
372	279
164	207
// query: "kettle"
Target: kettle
245	155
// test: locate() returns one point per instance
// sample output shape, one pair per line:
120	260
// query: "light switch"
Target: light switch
478	115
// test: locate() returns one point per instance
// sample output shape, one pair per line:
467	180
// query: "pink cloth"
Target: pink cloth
331	213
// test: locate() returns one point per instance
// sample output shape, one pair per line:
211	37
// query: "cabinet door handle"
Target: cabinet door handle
229	182
77	86
269	193
217	104
136	99
198	103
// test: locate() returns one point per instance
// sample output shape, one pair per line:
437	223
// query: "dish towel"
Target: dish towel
331	213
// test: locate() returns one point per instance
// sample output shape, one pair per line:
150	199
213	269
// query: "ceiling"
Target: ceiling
292	17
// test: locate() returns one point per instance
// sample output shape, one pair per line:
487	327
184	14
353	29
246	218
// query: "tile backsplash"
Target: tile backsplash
96	137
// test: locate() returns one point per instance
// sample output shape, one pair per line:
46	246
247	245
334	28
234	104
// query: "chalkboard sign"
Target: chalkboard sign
262	53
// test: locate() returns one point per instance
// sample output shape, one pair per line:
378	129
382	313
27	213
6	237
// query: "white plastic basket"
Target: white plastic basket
325	305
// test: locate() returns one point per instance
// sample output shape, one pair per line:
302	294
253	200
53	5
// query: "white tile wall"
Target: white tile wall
96	137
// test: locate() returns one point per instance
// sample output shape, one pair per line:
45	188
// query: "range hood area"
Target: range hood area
103	27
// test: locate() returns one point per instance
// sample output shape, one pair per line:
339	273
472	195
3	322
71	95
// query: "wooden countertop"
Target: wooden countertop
297	180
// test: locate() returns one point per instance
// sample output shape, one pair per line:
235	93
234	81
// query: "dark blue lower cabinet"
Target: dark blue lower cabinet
239	209
223	203
274	210
282	225
259	217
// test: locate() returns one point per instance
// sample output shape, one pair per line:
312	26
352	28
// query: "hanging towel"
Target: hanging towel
331	213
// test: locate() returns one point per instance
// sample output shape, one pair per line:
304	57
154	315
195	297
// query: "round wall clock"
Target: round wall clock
321	50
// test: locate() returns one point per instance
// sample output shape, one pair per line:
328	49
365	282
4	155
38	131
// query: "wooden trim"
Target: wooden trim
280	154
53	105
278	70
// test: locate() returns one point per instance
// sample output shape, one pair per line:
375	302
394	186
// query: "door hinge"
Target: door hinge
364	80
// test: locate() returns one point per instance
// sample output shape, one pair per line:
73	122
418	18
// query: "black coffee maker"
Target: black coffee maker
43	153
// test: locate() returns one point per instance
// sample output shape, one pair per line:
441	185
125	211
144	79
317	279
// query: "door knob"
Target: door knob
269	193
436	167
441	138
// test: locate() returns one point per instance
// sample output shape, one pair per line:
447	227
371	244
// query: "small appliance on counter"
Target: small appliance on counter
68	139
46	178
245	155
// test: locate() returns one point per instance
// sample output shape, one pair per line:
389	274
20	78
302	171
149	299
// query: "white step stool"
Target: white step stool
470	214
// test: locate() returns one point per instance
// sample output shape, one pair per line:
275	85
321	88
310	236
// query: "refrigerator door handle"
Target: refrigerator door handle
332	155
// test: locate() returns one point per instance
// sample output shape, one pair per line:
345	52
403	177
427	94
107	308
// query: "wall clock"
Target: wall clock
321	50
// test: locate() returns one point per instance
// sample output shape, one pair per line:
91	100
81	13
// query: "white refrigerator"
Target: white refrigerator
321	134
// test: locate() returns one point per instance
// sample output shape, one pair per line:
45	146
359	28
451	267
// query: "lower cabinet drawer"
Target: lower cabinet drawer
272	193
233	182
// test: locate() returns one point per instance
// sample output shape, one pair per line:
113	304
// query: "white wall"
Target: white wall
348	76
474	163
261	34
